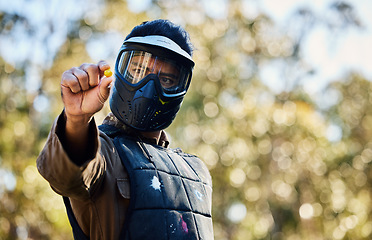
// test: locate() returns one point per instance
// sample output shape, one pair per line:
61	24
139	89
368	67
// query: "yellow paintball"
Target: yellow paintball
107	73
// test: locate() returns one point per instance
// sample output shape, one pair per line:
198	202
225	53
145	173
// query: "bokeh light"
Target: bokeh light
278	109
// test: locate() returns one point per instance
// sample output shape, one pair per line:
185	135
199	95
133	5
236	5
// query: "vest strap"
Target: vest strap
76	229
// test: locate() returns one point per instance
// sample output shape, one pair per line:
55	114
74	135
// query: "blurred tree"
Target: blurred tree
277	159
285	164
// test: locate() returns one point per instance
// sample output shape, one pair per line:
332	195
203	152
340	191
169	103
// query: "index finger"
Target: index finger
103	65
93	74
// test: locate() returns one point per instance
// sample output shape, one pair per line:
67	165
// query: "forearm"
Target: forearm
78	136
70	175
70	161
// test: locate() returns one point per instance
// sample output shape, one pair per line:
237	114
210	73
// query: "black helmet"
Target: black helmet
153	74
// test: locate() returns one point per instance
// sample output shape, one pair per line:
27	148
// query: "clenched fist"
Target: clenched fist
84	90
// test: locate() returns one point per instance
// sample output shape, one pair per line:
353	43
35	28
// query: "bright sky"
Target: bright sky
331	55
348	50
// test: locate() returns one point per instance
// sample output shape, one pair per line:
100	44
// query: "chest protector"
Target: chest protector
170	191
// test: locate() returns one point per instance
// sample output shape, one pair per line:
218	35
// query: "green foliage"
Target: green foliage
277	172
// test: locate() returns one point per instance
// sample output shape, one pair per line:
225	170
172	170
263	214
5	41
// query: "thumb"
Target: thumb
105	87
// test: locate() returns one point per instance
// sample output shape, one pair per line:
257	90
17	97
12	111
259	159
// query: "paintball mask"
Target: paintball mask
152	76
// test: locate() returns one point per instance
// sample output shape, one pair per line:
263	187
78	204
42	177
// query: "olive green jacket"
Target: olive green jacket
98	187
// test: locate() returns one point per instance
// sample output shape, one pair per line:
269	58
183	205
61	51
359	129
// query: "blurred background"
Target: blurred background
279	108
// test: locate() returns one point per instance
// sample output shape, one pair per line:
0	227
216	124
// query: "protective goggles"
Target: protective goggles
136	67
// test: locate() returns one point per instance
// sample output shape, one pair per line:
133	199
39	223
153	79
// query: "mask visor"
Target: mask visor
134	66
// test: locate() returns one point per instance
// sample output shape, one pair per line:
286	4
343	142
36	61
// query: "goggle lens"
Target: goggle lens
134	66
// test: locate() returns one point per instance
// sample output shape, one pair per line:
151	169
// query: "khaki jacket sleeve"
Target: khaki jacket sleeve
66	177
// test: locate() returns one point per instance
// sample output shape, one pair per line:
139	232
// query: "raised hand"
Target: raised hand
84	90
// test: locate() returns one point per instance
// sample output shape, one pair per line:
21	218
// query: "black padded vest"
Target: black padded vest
170	192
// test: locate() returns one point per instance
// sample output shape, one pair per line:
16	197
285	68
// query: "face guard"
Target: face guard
152	76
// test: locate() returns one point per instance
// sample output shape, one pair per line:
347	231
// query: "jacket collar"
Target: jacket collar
111	120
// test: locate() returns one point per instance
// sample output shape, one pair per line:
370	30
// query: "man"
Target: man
122	182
